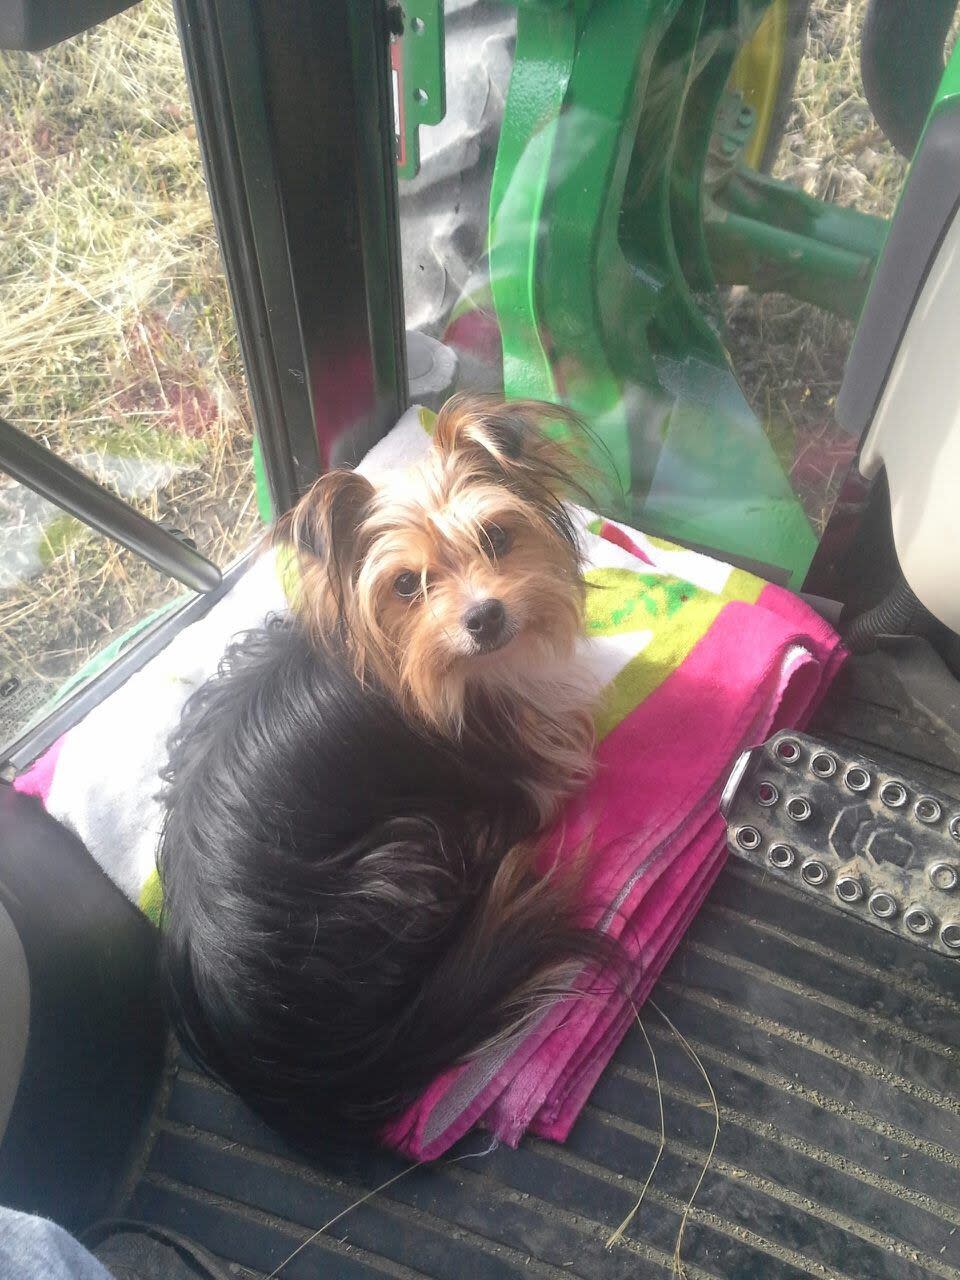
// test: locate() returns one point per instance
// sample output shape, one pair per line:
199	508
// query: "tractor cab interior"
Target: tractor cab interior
577	201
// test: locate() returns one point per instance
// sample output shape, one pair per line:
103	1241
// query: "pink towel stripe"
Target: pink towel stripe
619	536
38	779
651	818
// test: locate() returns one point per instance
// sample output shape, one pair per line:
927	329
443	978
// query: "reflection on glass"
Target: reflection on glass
594	222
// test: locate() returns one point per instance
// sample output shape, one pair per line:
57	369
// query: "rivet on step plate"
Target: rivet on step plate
918	920
767	794
857	779
883	905
823	764
749	838
950	935
928	810
944	875
955	826
798	808
849	888
782	856
893	794
814	872
788	751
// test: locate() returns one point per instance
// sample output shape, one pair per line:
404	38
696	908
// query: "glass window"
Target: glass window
790	354
444	209
669	222
117	343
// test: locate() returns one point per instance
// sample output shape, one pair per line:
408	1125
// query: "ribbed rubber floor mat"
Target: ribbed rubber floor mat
834	1051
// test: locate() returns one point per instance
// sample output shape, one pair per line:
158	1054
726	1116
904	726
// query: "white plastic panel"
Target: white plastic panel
915	435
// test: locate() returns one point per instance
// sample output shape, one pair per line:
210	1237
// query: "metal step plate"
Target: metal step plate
841	826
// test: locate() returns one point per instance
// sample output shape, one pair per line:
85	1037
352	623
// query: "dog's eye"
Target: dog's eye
496	540
407	584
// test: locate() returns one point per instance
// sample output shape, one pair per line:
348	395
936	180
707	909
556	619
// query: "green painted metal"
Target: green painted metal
769	236
261	487
595	309
543	59
605	144
950	84
621	203
705	158
422	79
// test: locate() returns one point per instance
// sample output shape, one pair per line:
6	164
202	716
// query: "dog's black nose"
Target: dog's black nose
485	621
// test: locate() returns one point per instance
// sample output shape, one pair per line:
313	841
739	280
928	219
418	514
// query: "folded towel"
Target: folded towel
697	661
717	661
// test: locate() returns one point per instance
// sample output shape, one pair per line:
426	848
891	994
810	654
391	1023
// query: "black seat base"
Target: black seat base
96	1033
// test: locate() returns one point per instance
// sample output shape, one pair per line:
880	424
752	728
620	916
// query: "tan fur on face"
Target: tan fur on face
490	466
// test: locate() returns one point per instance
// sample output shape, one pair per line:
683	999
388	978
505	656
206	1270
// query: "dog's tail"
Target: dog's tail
359	997
514	948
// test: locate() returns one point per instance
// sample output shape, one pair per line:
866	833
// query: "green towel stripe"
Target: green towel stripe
151	897
743	586
623	601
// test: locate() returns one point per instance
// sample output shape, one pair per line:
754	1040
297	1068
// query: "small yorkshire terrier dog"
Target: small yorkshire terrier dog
350	899
457	586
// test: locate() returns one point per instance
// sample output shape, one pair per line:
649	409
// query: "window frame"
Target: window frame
295	124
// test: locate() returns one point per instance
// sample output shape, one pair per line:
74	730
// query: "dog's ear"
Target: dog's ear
326	522
325	533
469	423
530	445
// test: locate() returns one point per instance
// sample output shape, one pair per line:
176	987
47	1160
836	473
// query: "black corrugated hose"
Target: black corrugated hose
899	613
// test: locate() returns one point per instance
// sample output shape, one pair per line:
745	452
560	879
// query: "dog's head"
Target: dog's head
464	569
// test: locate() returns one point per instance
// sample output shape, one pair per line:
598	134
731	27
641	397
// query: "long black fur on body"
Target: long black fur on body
347	911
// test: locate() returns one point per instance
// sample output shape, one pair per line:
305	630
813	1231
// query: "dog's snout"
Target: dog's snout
485	621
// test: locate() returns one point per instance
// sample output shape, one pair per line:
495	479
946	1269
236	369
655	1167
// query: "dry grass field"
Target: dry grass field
117	346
